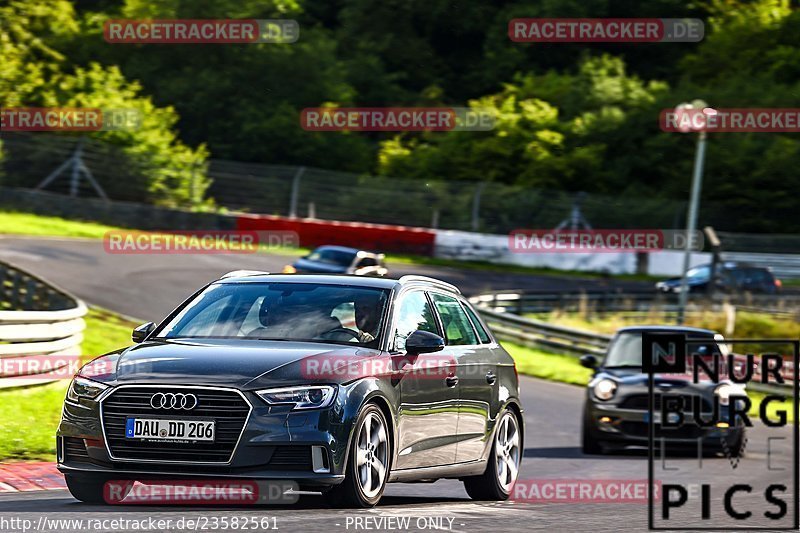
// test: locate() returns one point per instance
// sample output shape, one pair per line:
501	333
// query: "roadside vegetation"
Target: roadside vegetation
746	324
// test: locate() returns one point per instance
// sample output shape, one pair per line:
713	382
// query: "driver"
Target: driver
367	319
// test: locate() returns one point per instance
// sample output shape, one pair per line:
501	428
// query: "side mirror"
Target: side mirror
140	333
589	361
424	342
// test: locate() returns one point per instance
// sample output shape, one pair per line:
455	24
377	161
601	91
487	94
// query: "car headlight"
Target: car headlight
605	389
312	397
289	269
726	390
84	388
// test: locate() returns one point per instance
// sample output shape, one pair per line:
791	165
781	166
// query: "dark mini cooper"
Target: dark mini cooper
337	384
618	405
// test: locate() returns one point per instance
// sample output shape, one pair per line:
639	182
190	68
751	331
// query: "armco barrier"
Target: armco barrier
496	309
314	232
36	320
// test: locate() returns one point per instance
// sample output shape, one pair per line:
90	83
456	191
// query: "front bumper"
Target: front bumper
308	446
629	427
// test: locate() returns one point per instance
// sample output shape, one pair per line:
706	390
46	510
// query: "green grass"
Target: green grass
747	325
14	223
29	417
550	366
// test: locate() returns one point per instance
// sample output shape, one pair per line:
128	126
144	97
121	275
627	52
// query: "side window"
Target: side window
457	328
414	313
485	339
367	262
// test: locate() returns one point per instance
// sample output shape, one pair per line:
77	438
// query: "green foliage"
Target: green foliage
570	117
34	73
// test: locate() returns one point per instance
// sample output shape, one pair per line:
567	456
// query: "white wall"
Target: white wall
494	249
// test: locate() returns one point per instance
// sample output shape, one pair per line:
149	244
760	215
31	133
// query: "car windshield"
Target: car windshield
700	272
283	311
626	349
332	257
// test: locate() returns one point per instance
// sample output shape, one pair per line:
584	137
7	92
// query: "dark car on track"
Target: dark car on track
729	278
337	383
617	404
340	260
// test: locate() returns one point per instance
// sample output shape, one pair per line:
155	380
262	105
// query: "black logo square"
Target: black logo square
664	353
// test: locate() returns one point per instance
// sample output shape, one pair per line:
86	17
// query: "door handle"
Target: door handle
491	379
451	381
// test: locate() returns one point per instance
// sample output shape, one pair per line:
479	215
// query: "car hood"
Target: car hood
662	382
245	364
304	265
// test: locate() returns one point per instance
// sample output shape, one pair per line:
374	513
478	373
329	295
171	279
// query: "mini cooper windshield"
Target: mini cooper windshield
626	350
282	311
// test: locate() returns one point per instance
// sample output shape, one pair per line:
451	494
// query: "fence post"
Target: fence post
476	206
295	192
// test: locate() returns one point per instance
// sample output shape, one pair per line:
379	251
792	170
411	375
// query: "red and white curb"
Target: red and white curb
26	477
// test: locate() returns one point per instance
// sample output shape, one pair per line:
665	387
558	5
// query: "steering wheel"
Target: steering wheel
347	331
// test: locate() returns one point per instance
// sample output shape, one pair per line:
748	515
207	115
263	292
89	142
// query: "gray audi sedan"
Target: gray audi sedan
339	384
617	405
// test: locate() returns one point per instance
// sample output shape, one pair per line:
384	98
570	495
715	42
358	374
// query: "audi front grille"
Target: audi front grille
227	407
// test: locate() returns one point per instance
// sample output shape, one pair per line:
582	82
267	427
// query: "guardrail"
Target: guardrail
495	308
636	303
536	333
41	329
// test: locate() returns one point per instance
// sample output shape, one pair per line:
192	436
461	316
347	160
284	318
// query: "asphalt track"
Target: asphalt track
147	287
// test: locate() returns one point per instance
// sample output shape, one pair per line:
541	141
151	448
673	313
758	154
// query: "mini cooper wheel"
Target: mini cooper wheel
503	468
590	445
368	462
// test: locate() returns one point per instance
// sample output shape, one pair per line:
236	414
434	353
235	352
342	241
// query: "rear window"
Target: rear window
457	327
484	336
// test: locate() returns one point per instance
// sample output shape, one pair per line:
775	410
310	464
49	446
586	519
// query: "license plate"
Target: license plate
164	429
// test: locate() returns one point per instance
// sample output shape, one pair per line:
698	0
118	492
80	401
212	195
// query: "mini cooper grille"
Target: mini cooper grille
227	408
640	402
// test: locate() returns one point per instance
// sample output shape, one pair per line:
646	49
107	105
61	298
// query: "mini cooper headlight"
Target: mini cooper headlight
605	389
84	388
726	390
312	397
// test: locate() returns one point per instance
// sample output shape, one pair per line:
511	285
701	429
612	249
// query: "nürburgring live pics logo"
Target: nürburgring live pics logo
723	460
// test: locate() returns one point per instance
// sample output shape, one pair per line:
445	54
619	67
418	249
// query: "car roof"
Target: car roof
337	279
670	329
338	248
322	279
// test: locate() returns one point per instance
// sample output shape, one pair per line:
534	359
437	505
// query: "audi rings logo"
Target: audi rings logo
169	400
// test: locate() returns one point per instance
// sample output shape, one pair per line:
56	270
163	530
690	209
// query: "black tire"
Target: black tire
487	486
90	489
350	493
589	443
736	449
